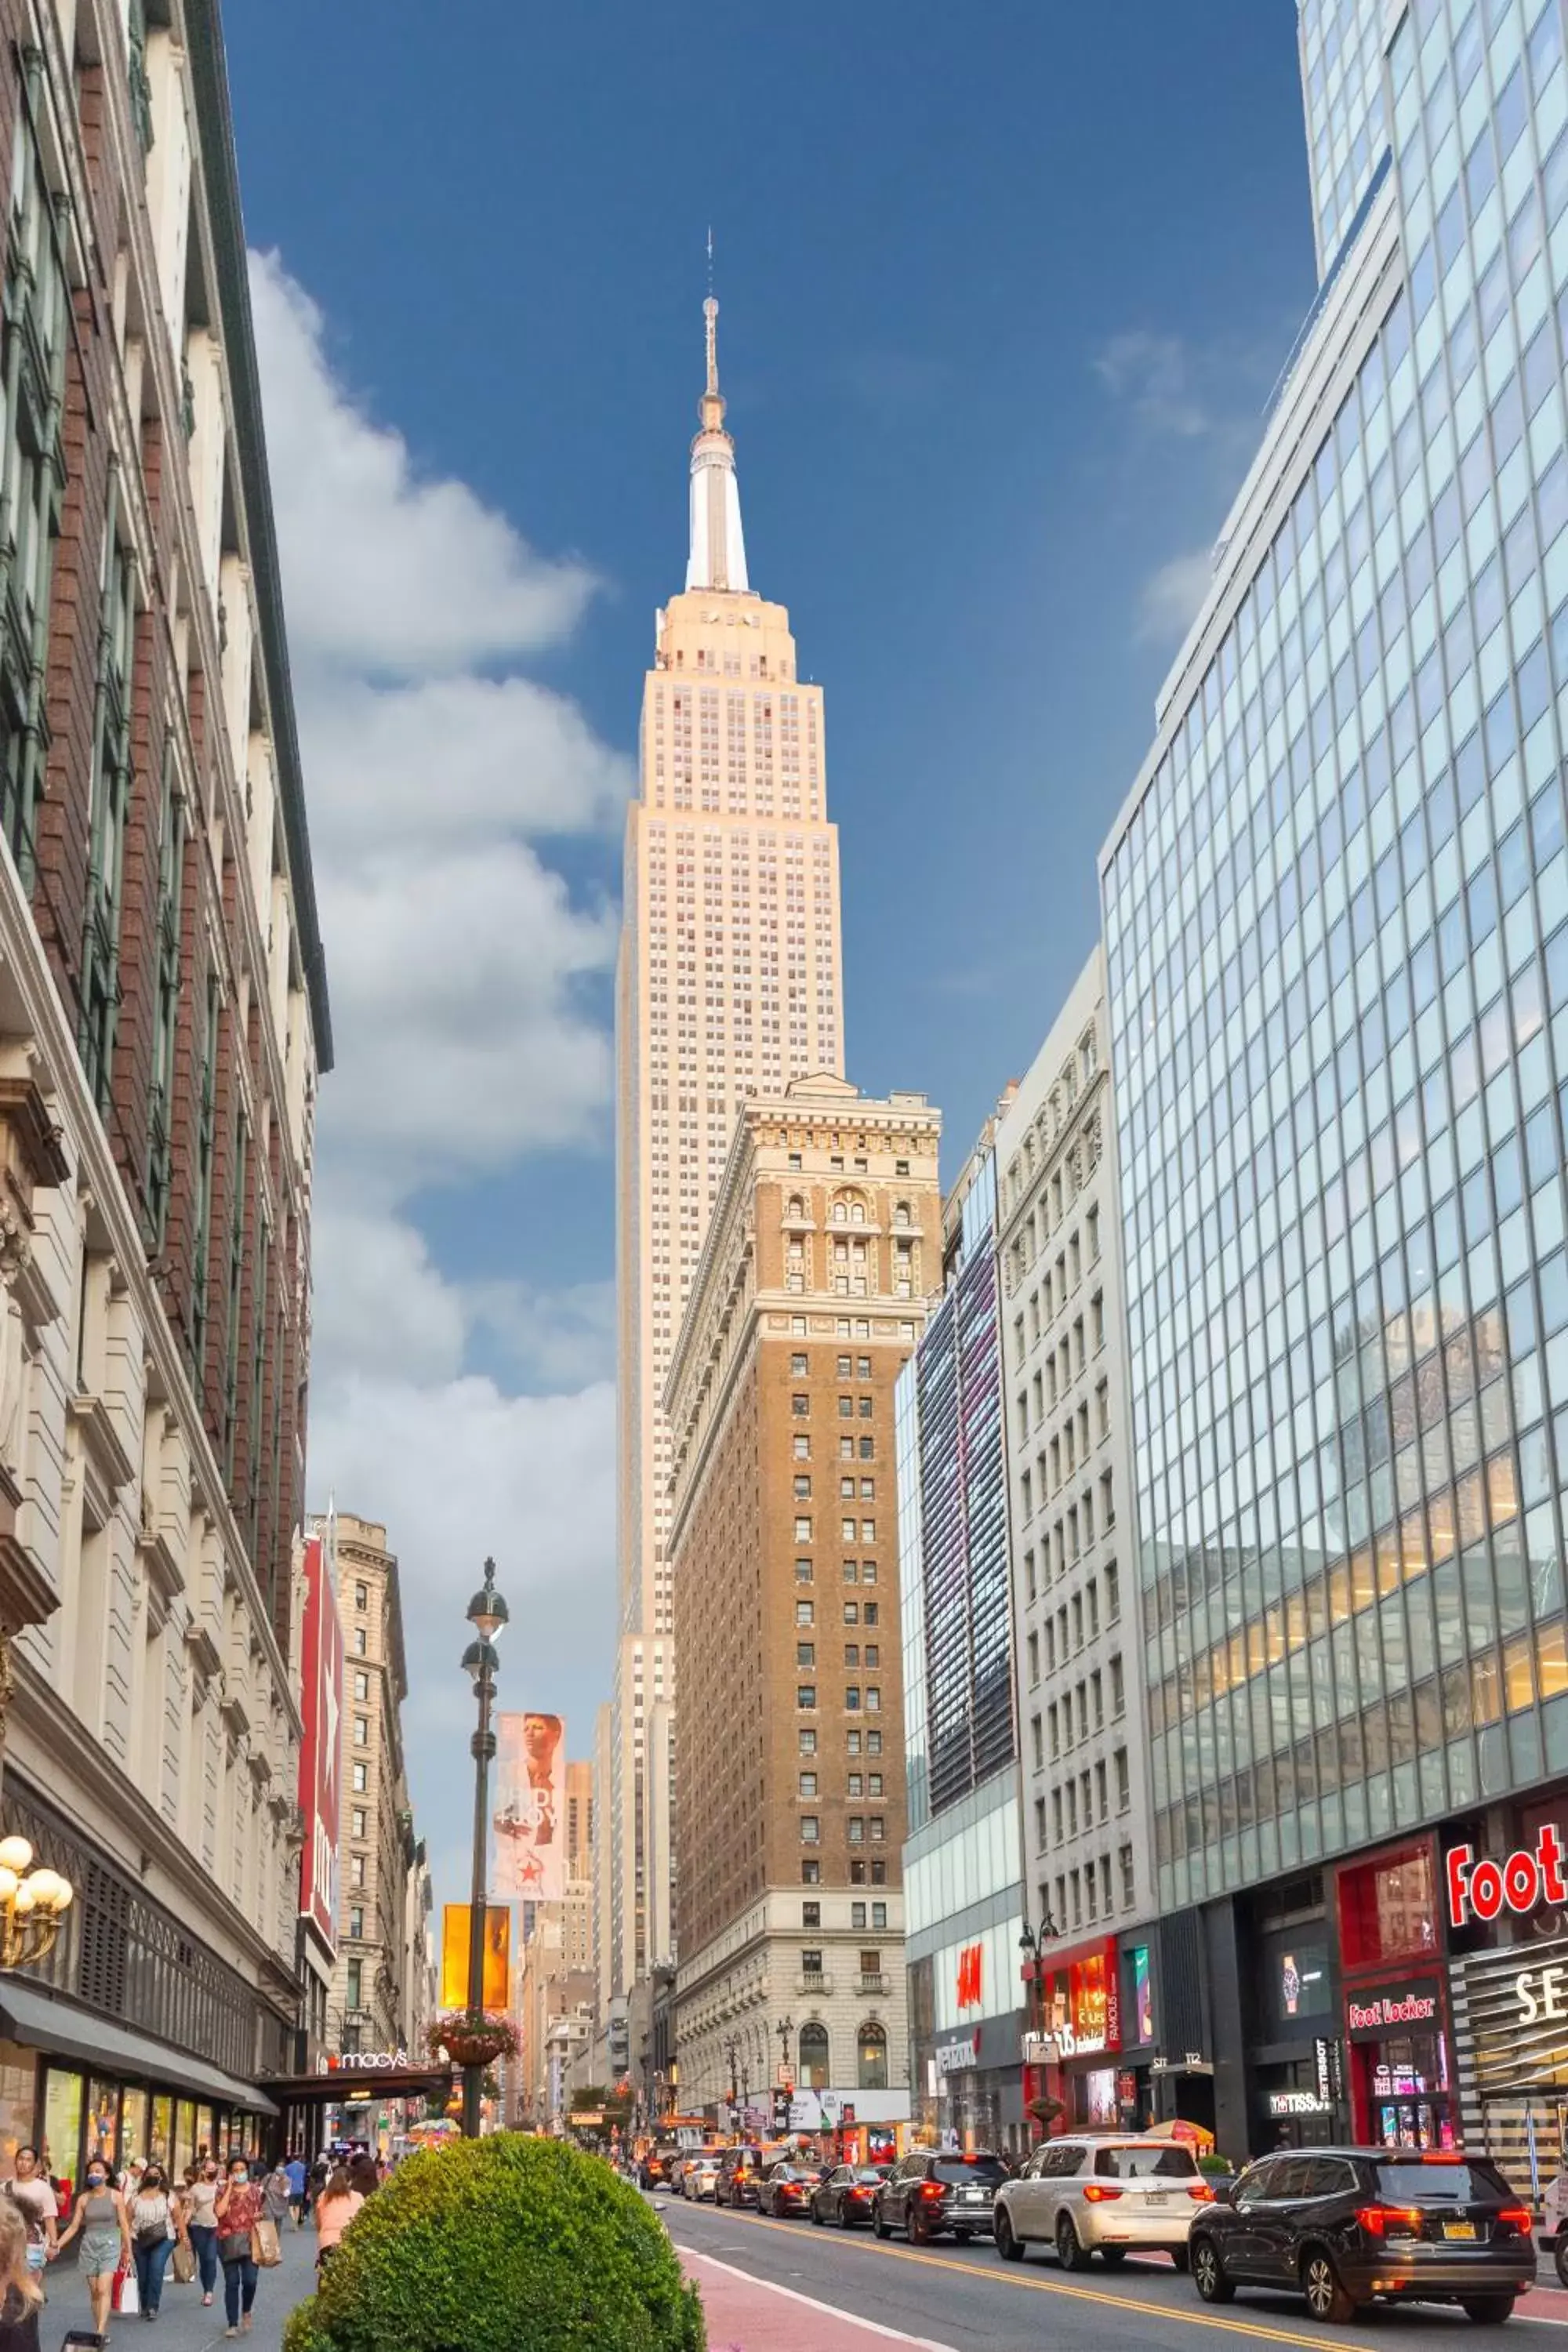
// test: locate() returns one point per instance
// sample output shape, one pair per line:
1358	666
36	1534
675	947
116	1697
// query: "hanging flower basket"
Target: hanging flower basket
471	2038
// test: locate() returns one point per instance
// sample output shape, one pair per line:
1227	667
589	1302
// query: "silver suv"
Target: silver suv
1104	2196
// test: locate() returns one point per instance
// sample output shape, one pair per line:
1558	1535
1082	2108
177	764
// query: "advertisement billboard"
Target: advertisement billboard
530	1817
320	1699
454	1957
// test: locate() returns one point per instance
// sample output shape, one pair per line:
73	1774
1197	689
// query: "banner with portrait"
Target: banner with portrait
529	1819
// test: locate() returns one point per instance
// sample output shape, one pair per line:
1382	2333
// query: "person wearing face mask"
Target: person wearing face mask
29	2191
201	2223
101	2222
239	2209
153	2227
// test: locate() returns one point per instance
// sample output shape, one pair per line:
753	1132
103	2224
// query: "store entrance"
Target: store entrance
1407	2108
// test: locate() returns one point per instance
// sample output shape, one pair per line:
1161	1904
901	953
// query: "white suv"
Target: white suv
1102	2195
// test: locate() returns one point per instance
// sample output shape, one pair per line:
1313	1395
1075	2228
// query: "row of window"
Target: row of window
1084	1895
811	1916
1072	1802
1067	1629
860	1828
1080	1712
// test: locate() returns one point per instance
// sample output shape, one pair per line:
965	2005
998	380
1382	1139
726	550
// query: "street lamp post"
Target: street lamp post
487	1616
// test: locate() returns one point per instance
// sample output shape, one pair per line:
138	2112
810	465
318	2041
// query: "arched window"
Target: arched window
873	2058
814	2073
796	1206
857	1213
901	1213
840	1213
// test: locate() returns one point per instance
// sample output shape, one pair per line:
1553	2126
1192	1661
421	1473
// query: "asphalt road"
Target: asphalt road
965	2299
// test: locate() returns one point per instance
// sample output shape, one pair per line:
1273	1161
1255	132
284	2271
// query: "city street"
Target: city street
185	2323
952	2298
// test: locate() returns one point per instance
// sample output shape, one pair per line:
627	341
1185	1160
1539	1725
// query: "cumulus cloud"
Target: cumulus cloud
469	998
1171	598
385	571
1152	375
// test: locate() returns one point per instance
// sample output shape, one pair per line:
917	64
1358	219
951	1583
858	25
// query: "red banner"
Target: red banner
320	1790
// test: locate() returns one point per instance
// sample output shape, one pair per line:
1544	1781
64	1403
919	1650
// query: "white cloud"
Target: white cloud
1171	598
1153	374
469	986
385	572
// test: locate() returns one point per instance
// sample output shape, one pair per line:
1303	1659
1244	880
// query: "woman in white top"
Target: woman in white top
201	2223
152	2216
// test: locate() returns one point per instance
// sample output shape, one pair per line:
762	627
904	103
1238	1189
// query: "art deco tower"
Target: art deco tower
729	983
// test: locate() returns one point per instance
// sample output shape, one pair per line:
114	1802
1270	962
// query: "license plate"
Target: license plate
974	2196
1459	2230
1157	2198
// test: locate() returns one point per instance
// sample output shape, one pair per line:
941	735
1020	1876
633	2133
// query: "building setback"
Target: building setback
1336	931
1087	1847
729	985
162	1020
783	1547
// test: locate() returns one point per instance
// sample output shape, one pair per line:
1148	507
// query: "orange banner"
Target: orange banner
454	1957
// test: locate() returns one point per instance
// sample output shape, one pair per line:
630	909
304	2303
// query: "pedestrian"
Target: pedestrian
152	2232
295	2168
29	2191
201	2224
21	2296
277	2192
99	2220
239	2210
335	2209
320	2172
362	2174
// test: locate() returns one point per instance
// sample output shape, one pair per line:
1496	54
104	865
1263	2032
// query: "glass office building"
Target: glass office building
1336	925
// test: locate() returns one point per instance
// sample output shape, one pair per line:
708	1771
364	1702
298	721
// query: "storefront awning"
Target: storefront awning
353	2086
60	2029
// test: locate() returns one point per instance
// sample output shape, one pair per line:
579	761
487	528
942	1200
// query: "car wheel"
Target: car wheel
816	2213
1113	2256
1488	2310
878	2225
1070	2246
1009	2247
1324	2290
1208	2272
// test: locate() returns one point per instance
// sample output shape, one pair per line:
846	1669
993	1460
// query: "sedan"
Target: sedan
845	2197
786	2191
1348	2227
698	2175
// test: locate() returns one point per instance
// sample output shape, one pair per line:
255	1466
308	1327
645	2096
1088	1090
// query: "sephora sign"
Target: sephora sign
1481	1889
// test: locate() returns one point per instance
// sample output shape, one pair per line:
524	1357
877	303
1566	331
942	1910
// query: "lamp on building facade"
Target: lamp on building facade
1034	1941
487	1615
32	1904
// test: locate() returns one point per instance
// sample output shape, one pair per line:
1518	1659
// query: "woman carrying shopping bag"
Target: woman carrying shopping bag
239	2210
153	2232
201	2223
98	2218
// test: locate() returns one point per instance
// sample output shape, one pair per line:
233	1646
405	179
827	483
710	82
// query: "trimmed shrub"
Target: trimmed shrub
503	2244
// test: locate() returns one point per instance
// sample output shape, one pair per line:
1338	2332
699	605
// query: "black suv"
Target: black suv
1348	2226
937	2189
739	2170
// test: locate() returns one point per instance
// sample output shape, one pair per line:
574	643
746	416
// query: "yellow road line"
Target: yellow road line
1205	2316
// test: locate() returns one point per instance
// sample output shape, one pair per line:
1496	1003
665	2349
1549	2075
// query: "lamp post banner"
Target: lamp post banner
529	1826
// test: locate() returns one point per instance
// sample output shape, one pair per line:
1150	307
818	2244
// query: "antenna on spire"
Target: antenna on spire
710	256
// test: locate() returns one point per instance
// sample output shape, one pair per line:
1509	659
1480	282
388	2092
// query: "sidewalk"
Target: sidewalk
745	2315
183	2324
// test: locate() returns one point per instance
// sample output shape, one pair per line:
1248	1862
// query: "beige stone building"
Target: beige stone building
729	986
809	1298
378	1850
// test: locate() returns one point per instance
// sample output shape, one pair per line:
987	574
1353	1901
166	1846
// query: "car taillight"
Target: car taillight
1390	2220
1200	2193
1516	2217
1100	2192
860	2195
932	2192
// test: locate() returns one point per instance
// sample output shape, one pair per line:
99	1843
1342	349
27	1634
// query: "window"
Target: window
802	1531
852	1612
356	1920
852	1746
872	2057
802	1449
361	1731
808	1784
1118	1688
802	1571
800	1406
814	2073
1112	1594
36	308
804	1611
806	1654
361	1778
811	1915
1123	1786
805	1694
878	1915
811	1874
1128	1889
811	1963
852	1699
851	1654
110	797
167	999
873	1743
356	1870
360	1821
879	1873
361	1641
353	1995
810	1829
798	1367
808	1740
362	1686
856	1829
803	1483
856	1914
361	1596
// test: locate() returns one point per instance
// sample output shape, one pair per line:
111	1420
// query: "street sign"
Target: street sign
783	2075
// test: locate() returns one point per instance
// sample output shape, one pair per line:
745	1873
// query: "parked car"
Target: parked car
739	2170
1348	2226
936	2190
698	2175
656	2166
786	2189
844	2195
1102	2195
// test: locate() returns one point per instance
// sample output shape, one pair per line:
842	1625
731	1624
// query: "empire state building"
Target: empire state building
729	983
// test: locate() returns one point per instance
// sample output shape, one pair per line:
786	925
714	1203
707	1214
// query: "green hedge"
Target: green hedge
503	2244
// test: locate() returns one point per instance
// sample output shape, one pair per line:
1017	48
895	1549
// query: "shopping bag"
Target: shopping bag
182	2263
265	2250
126	2298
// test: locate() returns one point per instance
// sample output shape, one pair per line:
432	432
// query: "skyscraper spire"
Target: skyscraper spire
718	558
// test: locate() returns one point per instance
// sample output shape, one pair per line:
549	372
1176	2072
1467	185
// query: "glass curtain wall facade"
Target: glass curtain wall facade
1336	921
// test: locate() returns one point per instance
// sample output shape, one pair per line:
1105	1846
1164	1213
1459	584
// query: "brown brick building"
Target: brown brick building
789	1805
162	1021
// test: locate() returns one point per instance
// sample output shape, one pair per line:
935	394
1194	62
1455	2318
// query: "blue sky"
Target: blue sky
1004	291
